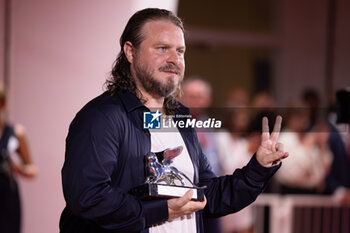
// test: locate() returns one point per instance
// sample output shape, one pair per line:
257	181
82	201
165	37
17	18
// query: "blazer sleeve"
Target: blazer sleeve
91	156
230	193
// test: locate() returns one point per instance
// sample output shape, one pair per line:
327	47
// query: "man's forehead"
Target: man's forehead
160	24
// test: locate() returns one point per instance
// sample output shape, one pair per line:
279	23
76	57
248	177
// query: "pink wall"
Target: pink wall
303	48
2	34
302	57
61	54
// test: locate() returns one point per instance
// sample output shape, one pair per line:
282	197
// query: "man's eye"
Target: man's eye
162	49
181	51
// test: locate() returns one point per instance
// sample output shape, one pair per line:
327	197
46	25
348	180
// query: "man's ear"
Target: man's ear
129	51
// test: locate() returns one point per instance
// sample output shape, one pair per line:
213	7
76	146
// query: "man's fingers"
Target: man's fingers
196	205
183	205
279	147
265	129
184	199
276	129
278	156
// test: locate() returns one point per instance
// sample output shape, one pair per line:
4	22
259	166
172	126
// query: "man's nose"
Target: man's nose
174	57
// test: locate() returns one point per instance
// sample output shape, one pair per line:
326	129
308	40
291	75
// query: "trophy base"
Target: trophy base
152	190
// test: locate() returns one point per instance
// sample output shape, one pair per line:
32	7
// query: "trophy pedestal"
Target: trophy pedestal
153	190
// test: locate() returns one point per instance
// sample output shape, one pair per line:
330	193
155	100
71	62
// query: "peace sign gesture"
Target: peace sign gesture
270	152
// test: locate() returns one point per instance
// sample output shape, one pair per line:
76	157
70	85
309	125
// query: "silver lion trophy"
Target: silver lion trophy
164	180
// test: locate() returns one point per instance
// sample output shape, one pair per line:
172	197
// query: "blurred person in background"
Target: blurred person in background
305	172
338	178
197	95
237	146
263	101
233	143
234	151
237	97
263	104
13	140
239	112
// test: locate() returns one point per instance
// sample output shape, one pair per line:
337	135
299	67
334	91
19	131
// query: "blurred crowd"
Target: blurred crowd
319	161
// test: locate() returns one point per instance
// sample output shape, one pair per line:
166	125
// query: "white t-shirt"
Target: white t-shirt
161	140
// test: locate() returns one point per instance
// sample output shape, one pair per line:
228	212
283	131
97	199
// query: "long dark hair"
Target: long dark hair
120	78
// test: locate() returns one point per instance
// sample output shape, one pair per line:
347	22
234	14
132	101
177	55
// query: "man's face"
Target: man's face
159	60
196	95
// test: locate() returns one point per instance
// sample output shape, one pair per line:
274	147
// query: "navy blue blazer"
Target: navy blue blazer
105	148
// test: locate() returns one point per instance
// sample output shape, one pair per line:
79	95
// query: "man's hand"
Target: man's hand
270	152
184	206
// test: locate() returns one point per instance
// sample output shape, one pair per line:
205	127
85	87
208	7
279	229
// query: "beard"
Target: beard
153	86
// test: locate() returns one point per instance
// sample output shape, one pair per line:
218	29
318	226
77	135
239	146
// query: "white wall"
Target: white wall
61	54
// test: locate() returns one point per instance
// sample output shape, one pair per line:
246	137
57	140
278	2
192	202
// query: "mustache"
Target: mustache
170	67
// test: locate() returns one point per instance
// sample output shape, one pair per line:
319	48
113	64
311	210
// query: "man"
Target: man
196	95
106	144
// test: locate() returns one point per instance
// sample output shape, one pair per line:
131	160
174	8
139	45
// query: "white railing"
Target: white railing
300	214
